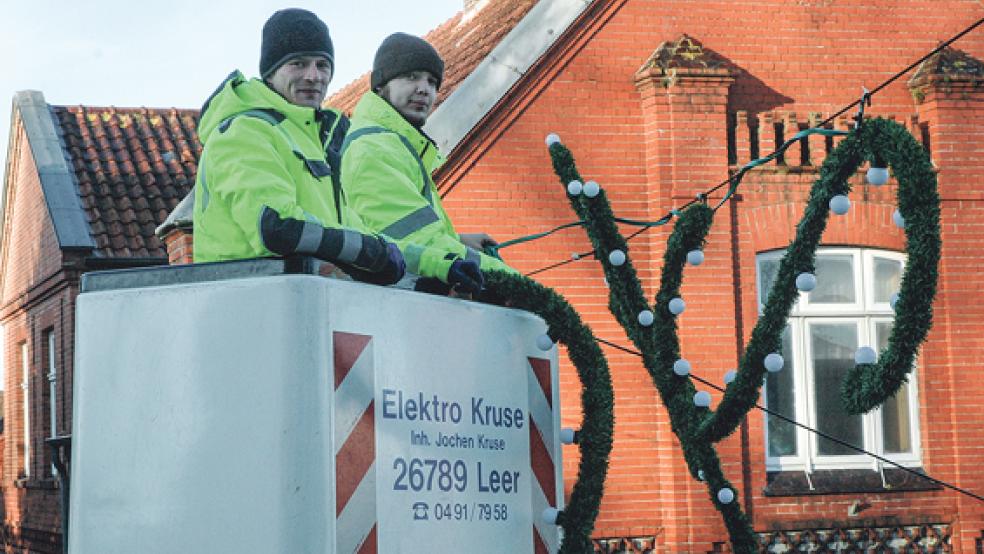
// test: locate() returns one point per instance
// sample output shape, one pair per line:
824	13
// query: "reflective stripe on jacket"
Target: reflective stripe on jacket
386	175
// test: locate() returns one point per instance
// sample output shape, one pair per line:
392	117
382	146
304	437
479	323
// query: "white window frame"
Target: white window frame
866	314
804	306
52	376
26	396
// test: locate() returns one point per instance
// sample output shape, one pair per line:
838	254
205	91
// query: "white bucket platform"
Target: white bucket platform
236	408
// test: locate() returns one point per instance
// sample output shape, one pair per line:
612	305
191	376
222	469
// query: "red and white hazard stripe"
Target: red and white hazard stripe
542	447
355	445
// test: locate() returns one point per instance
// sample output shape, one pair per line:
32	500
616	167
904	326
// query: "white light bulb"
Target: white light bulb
552	139
805	282
567	435
574	188
700	474
774	362
575	256
676	306
865	355
898	219
877	176
681	367
549	515
840	204
695	257
730	376
726	496
616	257
543	342
702	399
646	318
591	189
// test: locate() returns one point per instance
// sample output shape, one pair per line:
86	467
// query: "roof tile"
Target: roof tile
129	175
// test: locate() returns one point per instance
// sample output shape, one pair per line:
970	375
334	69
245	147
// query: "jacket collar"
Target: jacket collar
279	103
372	109
236	94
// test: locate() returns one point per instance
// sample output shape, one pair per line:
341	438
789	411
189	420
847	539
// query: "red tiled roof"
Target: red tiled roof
463	41
133	166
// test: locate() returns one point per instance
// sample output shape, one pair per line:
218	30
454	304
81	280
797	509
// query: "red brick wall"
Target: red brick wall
956	116
31	247
36	297
654	152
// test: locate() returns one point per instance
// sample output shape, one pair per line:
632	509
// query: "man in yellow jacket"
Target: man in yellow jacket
387	160
268	179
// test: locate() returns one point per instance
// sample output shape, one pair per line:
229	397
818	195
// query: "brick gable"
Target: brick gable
652	149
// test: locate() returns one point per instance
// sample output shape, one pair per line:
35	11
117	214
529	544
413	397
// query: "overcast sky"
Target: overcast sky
173	53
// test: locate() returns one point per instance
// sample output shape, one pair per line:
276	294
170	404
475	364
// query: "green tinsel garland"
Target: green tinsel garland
595	436
866	387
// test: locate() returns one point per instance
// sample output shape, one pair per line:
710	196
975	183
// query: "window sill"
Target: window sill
46	483
838	481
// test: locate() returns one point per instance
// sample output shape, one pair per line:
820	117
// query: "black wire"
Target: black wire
812	430
906	70
847	108
577	257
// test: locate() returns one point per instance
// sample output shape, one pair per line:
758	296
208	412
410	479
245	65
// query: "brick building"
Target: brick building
659	101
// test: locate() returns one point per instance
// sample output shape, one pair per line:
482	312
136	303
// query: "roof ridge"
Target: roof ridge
490	20
505	63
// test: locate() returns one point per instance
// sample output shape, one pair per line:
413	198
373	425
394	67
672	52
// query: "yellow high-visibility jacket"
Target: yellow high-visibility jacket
386	174
266	185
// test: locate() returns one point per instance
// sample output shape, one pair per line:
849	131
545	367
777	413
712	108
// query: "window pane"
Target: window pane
887	278
835	280
833	346
779	397
895	412
768	269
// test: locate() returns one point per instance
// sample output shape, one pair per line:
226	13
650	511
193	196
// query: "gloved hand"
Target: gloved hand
464	276
389	268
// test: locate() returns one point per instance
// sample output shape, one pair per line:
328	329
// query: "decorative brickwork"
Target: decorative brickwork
625	545
950	65
753	135
934	538
685	56
903	538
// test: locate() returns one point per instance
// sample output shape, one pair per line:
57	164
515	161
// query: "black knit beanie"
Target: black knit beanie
290	33
402	53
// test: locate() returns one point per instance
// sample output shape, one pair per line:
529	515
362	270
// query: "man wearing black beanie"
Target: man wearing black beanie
267	181
387	161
